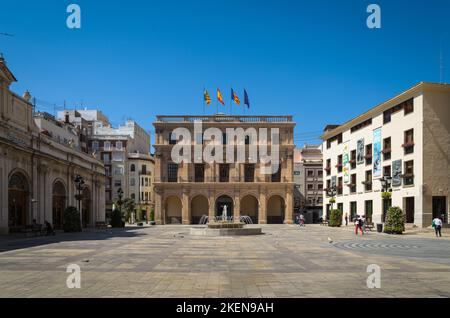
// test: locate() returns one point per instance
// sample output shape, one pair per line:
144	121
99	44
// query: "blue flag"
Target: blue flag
246	100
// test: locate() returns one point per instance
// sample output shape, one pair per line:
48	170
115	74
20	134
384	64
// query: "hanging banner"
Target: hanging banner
346	162
397	173
376	153
333	182
360	151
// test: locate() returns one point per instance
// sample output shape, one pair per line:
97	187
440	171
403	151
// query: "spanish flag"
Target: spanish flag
206	97
235	98
219	97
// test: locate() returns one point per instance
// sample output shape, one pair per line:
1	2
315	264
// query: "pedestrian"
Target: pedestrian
437	224
49	228
302	220
363	224
346	219
358	225
297	220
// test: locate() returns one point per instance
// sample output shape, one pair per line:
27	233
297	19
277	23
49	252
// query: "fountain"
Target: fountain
224	225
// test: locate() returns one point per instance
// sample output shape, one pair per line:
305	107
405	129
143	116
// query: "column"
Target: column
237	207
159	213
3	195
212	205
262	212
185	209
288	208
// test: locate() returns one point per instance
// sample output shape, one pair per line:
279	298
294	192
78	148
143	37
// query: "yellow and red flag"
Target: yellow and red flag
235	98
206	97
219	97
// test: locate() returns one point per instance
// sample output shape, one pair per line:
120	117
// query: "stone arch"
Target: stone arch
221	201
173	207
249	205
199	206
275	209
59	202
18	200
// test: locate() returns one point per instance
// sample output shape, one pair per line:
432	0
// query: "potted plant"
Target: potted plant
395	221
72	222
116	219
386	195
335	218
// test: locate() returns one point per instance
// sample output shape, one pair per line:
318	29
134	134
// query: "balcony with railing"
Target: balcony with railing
222	118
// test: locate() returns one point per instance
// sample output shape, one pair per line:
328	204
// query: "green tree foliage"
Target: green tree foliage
395	221
116	219
335	218
72	221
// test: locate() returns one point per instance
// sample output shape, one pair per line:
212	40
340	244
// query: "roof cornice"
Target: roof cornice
411	92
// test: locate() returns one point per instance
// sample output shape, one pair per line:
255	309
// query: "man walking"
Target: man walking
346	219
437	224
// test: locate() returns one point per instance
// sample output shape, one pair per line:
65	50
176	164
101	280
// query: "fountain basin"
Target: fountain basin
226	231
226	225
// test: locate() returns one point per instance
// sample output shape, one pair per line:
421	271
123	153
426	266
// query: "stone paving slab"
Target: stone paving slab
165	261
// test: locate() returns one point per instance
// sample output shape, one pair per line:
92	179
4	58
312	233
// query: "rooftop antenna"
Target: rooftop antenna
441	66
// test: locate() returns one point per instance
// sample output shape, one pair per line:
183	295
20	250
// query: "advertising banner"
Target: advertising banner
377	153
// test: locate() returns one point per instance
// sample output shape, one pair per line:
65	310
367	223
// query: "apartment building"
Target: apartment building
141	169
405	140
186	191
308	179
112	146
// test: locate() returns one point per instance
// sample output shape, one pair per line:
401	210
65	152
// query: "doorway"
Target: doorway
223	201
409	209
440	208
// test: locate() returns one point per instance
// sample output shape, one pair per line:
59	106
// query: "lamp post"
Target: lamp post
386	182
79	185
119	202
331	193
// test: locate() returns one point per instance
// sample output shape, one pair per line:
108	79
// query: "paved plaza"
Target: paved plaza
165	261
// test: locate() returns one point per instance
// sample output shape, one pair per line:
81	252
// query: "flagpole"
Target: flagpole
217	105
231	101
204	100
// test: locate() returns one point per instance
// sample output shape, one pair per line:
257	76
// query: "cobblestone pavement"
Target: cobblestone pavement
165	261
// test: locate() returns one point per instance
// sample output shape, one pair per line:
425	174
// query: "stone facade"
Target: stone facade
415	151
187	191
37	170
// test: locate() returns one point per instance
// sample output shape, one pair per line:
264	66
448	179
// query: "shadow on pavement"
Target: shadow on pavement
10	243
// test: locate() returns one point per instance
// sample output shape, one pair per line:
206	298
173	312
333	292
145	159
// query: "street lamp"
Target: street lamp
331	192
386	182
79	185
120	195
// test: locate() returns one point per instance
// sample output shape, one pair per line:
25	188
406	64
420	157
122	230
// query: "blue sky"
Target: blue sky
316	60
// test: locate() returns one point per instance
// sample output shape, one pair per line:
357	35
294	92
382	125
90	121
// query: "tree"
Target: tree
152	215
72	222
395	221
335	218
128	207
116	219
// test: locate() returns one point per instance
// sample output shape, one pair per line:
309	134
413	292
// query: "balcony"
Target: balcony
224	119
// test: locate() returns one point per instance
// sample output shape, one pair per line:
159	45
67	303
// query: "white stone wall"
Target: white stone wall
395	129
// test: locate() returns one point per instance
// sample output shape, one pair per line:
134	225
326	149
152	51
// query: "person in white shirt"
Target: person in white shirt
437	223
